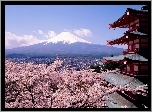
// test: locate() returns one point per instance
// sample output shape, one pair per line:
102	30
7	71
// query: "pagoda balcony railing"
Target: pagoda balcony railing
124	71
128	51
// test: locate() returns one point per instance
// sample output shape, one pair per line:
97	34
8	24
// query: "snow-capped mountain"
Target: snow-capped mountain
65	43
66	37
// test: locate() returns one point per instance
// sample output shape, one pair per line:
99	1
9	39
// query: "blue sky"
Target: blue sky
37	22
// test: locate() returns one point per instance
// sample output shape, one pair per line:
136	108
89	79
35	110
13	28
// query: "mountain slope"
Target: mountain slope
65	44
60	48
66	37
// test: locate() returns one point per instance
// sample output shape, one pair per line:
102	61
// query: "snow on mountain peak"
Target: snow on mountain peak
66	37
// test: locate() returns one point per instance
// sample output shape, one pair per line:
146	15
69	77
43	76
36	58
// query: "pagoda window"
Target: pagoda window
130	42
128	68
136	41
136	45
144	40
135	68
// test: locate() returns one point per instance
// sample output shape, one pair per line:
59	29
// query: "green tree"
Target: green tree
110	66
97	68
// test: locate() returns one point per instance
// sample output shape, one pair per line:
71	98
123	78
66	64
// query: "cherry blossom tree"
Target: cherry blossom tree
40	86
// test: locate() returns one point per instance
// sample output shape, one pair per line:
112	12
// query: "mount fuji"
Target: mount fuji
66	37
65	43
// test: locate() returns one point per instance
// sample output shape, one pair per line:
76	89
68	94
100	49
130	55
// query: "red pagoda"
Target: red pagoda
135	57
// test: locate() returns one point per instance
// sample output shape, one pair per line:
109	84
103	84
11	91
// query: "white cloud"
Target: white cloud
83	32
40	32
51	34
48	35
67	30
13	41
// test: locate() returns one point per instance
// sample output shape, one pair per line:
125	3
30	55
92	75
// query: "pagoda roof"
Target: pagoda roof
144	7
137	33
122	80
129	16
117	101
117	41
123	39
137	11
135	57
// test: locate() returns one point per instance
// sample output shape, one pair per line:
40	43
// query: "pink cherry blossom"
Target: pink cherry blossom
38	86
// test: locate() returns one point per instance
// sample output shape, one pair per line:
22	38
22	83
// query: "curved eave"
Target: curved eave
117	101
133	57
121	40
122	80
138	12
136	33
127	36
119	22
122	22
129	16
